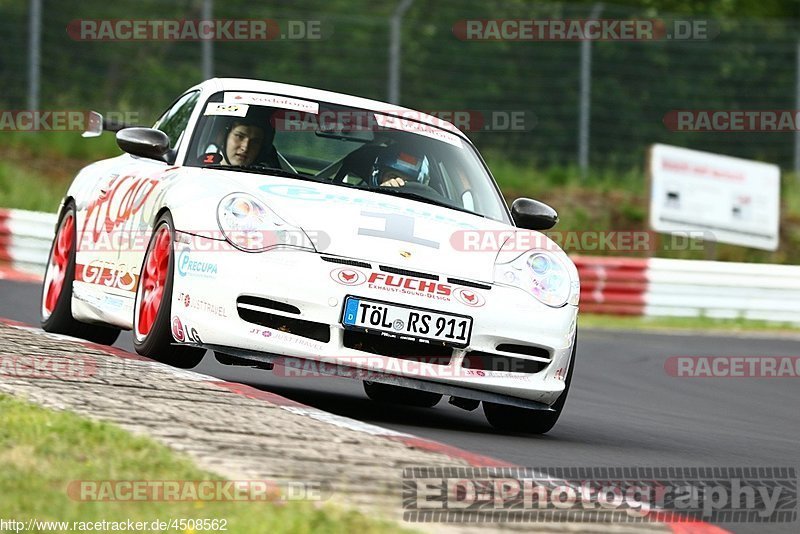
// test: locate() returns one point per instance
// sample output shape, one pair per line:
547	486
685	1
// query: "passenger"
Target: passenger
395	168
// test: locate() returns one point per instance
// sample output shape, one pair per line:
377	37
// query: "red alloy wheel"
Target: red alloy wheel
59	261
154	280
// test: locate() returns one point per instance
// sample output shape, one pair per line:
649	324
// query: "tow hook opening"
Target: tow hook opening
465	404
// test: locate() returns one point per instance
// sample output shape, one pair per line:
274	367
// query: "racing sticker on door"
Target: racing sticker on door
124	197
109	274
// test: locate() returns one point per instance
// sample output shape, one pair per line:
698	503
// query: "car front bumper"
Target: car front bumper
209	282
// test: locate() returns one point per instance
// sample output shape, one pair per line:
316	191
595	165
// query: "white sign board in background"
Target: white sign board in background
730	200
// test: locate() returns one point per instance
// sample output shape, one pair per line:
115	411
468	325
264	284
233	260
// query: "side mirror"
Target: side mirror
533	215
144	142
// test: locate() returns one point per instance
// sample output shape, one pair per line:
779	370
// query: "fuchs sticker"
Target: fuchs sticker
348	277
410	285
469	297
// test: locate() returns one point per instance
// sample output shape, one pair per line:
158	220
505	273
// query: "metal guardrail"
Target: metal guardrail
723	290
25	238
689	288
615	286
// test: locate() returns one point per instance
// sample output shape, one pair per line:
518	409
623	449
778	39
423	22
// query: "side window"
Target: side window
174	121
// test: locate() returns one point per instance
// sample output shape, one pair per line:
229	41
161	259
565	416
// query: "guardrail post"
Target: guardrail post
34	52
395	25
796	107
208	44
585	103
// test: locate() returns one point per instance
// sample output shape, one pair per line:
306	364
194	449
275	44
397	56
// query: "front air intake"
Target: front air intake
526	350
406	272
261	302
290	325
488	361
397	348
345	261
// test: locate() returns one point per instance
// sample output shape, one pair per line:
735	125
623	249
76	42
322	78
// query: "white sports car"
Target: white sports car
324	233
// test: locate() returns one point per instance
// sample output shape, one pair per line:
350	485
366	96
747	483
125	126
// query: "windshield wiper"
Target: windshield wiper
262	169
398	192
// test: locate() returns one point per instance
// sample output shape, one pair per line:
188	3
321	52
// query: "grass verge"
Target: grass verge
42	450
26	189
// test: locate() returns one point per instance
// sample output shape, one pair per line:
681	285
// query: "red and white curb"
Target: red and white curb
476	460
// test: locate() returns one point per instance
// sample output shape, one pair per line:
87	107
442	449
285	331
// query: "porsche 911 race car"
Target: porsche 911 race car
319	233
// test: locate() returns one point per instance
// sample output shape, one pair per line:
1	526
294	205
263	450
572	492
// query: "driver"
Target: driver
395	167
245	140
242	144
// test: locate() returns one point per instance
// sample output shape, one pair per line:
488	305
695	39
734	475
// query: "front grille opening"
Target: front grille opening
527	350
299	327
406	272
267	303
397	348
468	283
343	261
500	362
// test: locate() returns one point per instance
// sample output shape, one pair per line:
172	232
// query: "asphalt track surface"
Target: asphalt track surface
623	410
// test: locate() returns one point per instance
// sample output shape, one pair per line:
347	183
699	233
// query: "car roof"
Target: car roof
244	84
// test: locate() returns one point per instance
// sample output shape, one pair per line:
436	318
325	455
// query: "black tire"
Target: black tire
60	319
526	421
387	393
157	343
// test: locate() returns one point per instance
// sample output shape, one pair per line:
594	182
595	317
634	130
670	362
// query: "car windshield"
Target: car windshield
347	147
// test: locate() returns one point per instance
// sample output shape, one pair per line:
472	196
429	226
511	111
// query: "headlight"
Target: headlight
251	226
540	273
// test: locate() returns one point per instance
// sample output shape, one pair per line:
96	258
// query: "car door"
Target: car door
127	204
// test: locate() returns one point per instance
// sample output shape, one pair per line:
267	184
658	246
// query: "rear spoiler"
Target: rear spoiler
97	124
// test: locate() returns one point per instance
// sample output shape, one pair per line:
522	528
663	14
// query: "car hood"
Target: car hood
381	228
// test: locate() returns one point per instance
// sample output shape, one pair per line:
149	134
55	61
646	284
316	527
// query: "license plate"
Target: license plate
406	322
